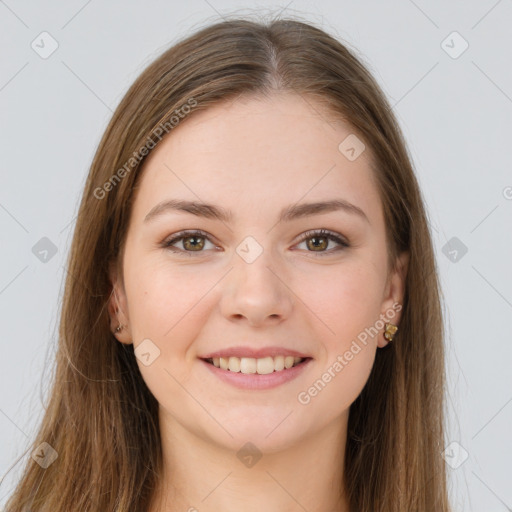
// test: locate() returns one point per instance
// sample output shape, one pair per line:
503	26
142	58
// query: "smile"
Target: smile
252	373
251	365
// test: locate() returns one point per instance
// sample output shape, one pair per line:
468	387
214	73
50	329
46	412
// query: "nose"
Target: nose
257	292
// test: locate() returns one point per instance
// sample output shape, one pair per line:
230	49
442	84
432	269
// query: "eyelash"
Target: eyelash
320	233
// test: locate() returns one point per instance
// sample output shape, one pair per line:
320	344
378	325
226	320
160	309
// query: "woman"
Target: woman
251	318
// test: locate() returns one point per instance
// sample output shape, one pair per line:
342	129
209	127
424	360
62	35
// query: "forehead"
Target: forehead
258	151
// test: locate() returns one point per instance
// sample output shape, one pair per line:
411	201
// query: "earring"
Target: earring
390	331
119	327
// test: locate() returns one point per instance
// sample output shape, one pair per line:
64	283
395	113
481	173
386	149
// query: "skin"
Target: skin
254	156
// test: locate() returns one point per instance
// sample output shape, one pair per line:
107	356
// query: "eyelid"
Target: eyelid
330	235
320	232
186	233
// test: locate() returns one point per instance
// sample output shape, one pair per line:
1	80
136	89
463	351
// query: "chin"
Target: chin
268	433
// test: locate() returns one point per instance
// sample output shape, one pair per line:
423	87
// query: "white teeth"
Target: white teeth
278	363
248	365
261	366
234	364
265	365
288	361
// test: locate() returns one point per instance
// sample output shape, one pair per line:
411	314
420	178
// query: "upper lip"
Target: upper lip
256	353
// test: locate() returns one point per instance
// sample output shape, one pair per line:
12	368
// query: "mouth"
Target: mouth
259	366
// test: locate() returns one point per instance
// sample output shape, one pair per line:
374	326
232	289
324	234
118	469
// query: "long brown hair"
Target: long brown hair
101	418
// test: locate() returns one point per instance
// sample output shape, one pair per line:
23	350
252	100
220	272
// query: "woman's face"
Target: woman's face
252	281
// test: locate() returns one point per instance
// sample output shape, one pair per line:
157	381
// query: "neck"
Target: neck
201	476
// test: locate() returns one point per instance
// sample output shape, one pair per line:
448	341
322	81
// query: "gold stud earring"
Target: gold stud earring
390	331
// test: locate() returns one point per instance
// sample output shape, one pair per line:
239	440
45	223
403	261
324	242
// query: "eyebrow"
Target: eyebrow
289	213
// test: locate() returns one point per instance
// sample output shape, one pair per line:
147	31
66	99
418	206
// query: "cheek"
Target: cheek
160	296
346	298
165	307
337	385
348	303
168	305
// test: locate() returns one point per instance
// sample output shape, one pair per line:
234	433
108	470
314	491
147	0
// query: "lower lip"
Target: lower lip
255	380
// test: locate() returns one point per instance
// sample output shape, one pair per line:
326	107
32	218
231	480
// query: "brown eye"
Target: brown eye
193	243
317	242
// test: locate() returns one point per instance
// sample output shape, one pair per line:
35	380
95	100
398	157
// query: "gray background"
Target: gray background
455	111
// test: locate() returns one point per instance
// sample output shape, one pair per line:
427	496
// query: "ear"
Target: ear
394	293
118	307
